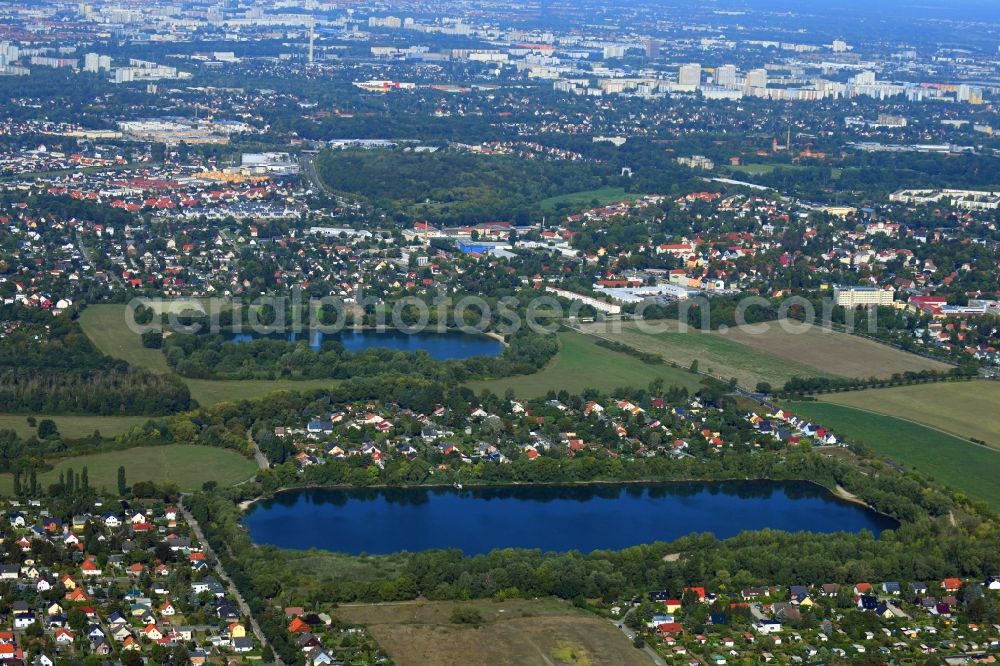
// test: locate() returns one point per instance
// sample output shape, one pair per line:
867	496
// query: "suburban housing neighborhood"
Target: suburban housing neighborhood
478	333
124	583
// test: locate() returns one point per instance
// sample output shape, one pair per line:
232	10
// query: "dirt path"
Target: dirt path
540	653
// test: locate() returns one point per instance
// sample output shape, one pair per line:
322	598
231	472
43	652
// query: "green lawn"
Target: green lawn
955	462
581	364
105	326
73	427
757	169
966	409
603	195
211	391
190	466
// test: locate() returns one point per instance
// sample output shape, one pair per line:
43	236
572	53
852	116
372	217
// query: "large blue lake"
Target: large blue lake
450	345
552	518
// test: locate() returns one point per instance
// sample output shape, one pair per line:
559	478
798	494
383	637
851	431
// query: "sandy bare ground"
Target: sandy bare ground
516	633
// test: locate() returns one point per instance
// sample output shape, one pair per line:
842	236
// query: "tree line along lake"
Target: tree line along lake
551	518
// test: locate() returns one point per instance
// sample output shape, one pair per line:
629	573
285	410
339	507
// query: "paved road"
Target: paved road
630	635
89	259
757	613
261	459
224	578
308	170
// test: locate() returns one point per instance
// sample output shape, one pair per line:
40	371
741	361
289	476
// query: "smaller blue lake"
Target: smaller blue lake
447	346
552	518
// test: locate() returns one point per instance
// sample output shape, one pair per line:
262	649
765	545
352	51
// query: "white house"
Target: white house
24	620
767	627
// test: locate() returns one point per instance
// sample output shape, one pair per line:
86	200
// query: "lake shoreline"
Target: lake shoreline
839	493
560	517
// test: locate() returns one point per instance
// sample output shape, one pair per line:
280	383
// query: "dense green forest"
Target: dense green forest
878	174
24	454
456	188
47	365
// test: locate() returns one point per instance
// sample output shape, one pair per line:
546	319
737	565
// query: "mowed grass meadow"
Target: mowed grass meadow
187	465
72	427
958	463
581	363
967	409
538	632
603	196
212	391
105	326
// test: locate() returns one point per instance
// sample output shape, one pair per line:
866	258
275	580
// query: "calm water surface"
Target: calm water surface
555	518
450	345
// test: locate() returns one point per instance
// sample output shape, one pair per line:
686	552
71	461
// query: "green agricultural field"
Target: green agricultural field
105	326
966	409
581	364
954	462
537	632
603	196
773	356
73	427
187	465
716	354
829	352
